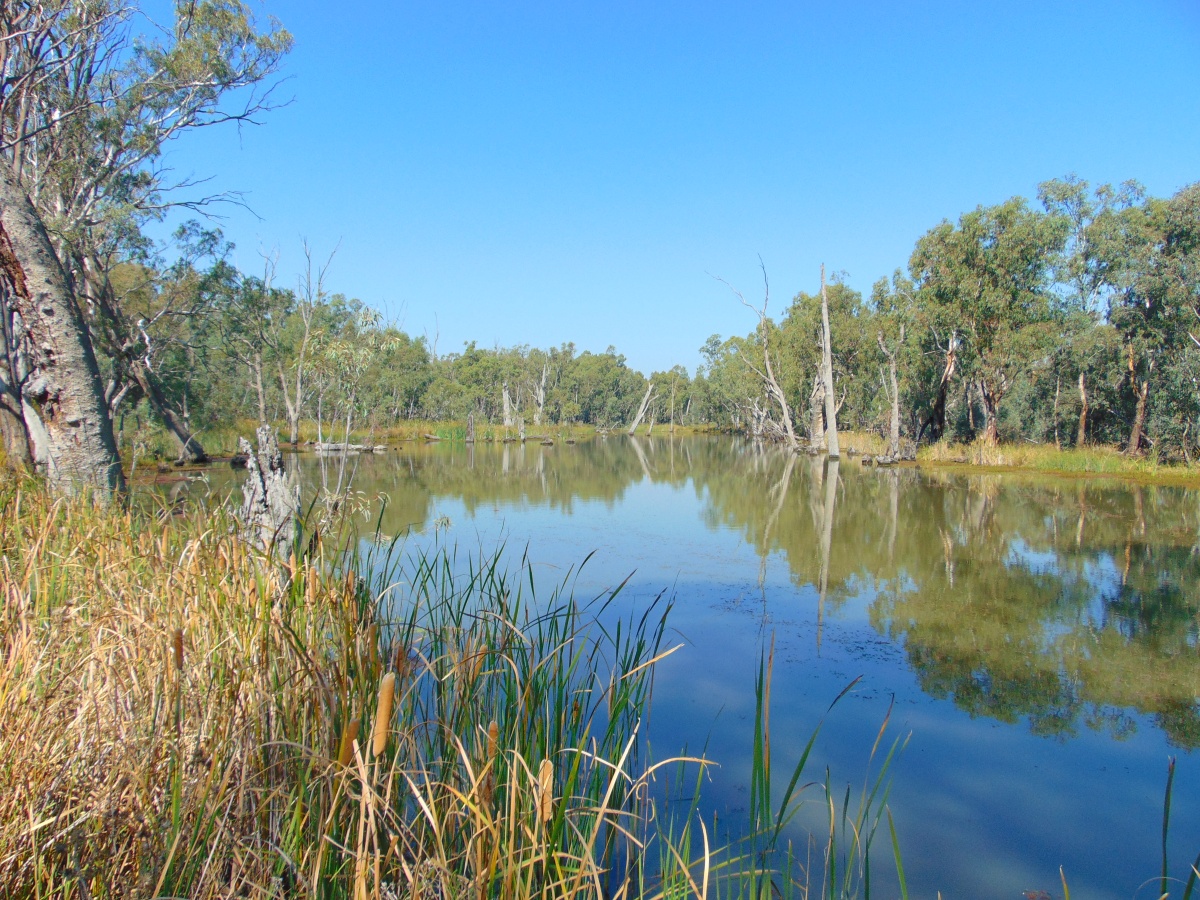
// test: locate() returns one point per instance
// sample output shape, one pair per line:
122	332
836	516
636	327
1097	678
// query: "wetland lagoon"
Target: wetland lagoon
1036	636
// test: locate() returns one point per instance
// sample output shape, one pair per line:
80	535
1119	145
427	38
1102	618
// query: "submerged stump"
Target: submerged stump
270	498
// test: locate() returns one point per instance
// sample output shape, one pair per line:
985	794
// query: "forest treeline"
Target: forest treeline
1070	319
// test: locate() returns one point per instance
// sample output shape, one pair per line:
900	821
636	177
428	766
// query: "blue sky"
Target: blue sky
578	171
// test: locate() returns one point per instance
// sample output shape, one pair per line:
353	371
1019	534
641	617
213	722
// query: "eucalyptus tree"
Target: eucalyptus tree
802	352
292	338
160	348
764	365
894	306
1147	256
986	283
90	93
251	320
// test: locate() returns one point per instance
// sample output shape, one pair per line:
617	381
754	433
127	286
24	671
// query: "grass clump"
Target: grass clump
181	715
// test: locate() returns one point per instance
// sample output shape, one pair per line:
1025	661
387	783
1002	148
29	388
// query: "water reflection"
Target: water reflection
1066	604
1039	635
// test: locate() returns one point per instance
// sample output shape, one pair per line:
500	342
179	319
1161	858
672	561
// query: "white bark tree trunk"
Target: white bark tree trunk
893	391
65	416
506	398
637	420
539	395
831	432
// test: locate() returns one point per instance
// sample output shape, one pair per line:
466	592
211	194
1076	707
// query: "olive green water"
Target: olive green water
1037	636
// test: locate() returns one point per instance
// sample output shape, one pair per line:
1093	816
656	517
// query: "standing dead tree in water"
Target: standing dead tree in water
831	432
270	499
645	405
767	373
891	389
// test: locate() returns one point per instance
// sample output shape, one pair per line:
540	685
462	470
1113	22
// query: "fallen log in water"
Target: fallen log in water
337	447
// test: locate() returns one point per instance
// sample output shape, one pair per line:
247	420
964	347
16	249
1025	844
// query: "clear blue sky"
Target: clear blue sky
577	171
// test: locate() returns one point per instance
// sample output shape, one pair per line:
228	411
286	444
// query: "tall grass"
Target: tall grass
183	716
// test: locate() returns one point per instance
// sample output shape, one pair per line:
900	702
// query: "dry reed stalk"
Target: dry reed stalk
383	714
474	659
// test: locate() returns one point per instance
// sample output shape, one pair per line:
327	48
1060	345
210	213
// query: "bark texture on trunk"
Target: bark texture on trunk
257	369
62	399
12	432
991	403
816	411
270	497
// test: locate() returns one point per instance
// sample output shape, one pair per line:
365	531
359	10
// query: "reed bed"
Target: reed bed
182	716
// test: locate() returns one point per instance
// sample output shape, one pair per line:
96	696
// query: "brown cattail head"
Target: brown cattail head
349	736
493	740
545	791
402	662
383	713
177	648
373	644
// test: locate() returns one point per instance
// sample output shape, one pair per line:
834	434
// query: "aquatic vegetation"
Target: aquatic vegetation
183	716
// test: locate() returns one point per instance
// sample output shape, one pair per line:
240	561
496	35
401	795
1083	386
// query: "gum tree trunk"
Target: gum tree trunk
936	423
1139	419
1081	434
831	432
991	403
190	450
62	400
641	413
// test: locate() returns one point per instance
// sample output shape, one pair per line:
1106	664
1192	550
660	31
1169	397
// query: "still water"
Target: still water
1038	637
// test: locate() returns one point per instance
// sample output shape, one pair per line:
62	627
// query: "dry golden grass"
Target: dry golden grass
180	716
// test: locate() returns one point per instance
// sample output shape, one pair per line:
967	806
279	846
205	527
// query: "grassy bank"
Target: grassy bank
183	716
1090	461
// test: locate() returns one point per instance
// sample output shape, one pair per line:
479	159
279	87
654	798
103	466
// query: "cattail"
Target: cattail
402	663
489	778
493	740
545	792
346	750
475	662
373	644
177	647
383	713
